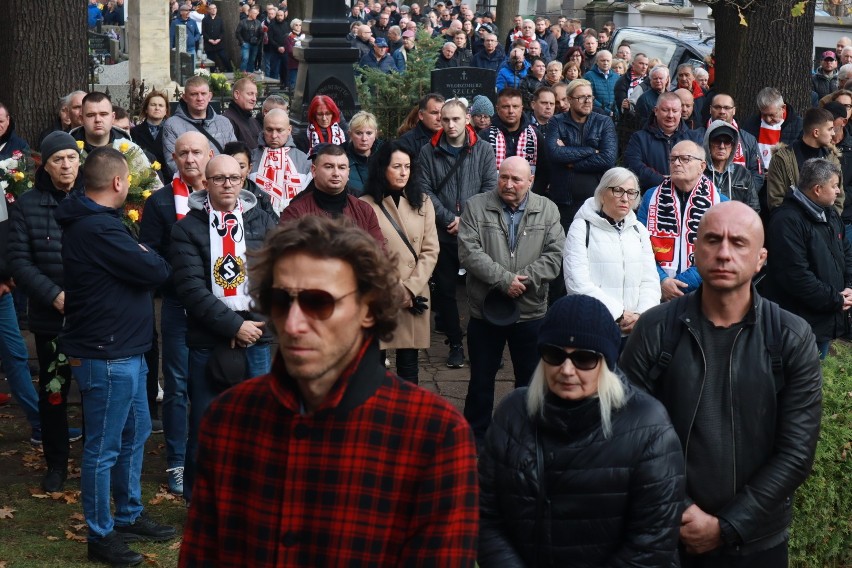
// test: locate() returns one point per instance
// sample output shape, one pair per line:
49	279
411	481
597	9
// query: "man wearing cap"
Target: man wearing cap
510	243
732	179
491	55
193	34
746	153
35	262
816	142
400	56
378	57
824	79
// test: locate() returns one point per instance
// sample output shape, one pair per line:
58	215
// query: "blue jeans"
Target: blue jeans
115	410
175	368
822	347
13	352
248	54
272	63
202	393
485	343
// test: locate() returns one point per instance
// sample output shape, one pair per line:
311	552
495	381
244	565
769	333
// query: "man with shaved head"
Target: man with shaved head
279	168
514	268
671	212
162	210
209	256
109	322
740	378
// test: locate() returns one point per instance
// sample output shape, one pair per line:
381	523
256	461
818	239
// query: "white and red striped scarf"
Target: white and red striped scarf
769	137
315	135
228	271
673	235
278	177
527	145
181	193
634	81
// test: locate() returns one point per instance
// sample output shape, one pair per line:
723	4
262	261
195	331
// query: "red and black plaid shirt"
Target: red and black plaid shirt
382	474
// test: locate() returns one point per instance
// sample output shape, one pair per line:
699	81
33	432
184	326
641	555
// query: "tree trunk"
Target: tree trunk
43	62
296	9
229	11
762	54
506	12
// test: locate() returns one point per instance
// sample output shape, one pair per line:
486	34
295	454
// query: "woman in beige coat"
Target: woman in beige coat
407	220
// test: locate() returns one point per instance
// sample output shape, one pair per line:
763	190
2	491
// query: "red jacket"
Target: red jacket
360	213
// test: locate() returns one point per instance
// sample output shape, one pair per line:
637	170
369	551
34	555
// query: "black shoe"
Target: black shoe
145	528
455	360
112	550
54	480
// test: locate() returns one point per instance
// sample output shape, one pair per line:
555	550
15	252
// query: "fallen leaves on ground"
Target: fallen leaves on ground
75	537
70	497
7	513
162	495
175	545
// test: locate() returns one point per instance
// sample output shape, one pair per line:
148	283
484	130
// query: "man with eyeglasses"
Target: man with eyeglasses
581	146
817	141
328	195
741	380
512	265
647	151
775	122
732	179
671	212
344	461
209	254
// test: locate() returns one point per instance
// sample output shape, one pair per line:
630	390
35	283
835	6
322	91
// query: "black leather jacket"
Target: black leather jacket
775	432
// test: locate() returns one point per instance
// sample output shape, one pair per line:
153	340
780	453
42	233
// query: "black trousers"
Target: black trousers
52	409
775	557
445	276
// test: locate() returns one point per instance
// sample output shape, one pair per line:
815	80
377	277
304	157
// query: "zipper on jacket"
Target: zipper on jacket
733	431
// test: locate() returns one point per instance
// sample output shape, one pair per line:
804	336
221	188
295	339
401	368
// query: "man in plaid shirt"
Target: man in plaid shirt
331	460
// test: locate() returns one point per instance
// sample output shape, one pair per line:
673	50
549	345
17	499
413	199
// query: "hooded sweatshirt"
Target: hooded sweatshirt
109	278
733	180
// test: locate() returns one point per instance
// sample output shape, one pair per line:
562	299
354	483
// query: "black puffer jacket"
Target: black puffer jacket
608	502
209	320
775	432
35	251
811	264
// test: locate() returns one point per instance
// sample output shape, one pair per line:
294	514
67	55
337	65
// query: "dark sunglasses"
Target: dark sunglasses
316	304
582	359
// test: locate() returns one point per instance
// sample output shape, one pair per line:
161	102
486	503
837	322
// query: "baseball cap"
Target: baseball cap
829	55
381	42
408	33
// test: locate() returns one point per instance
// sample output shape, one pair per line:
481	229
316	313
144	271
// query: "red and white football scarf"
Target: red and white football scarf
278	177
527	145
769	137
181	193
673	235
228	270
634	82
316	136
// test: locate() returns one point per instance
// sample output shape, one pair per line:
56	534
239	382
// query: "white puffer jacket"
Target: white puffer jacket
617	268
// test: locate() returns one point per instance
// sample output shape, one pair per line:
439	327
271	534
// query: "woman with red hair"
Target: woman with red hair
324	125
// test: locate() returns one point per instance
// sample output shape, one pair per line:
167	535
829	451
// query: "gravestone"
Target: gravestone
147	36
325	60
464	82
98	43
186	68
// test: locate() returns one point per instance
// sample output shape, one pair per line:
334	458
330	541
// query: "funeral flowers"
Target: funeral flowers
15	175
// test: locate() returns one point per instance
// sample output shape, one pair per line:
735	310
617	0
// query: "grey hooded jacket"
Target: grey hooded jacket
733	181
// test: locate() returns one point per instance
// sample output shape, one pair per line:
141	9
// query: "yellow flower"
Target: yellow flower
133	215
124	147
18	176
129	178
156	166
146	194
81	144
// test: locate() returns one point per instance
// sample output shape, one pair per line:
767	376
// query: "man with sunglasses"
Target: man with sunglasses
209	254
510	243
331	460
671	213
740	379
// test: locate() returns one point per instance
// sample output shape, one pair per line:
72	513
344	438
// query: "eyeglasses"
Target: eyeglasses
316	304
721	142
684	159
328	114
847	107
583	99
621	192
722	107
220	180
582	359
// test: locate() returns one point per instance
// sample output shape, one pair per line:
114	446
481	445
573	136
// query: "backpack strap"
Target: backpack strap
772	332
671	336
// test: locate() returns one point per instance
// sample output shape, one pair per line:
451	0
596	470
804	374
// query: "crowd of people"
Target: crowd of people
665	318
